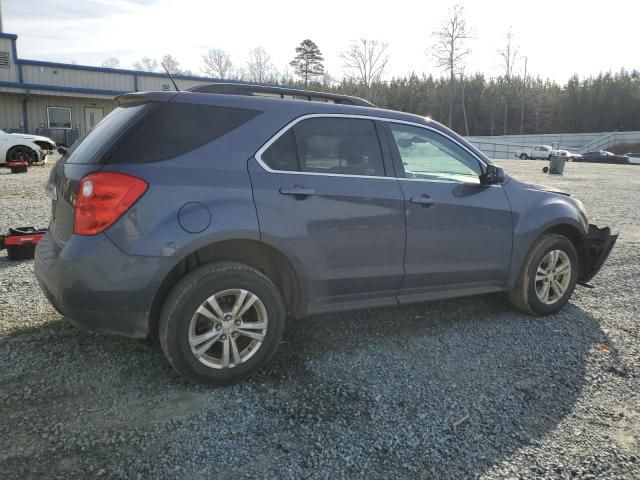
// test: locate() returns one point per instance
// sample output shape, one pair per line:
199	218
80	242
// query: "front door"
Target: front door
92	115
324	199
459	232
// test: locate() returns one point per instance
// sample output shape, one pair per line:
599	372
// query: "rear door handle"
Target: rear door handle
423	200
298	191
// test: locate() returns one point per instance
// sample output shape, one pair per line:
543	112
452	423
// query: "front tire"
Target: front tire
21	154
523	156
221	323
548	276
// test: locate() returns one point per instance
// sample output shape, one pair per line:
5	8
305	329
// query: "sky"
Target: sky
559	38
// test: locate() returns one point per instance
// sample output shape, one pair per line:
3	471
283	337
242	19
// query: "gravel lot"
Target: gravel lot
369	394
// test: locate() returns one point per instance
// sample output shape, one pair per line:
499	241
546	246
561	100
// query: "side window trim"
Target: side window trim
386	140
385	149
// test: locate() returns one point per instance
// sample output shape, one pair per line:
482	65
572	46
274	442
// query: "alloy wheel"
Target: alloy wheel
228	328
553	277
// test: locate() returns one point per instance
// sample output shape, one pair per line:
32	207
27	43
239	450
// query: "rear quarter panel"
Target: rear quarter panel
214	175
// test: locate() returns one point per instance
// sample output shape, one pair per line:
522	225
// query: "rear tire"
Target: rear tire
538	275
208	305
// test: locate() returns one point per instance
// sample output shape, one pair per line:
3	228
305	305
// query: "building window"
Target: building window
4	59
59	117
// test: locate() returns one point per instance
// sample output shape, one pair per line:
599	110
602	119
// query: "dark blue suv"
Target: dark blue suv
207	217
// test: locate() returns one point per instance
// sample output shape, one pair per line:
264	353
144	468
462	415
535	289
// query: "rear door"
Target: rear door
459	232
325	200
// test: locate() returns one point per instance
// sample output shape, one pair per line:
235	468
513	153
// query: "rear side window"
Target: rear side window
345	146
90	149
177	128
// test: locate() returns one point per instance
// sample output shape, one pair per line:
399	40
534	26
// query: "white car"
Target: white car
21	146
567	155
633	158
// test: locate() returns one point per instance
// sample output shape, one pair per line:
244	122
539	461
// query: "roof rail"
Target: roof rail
256	89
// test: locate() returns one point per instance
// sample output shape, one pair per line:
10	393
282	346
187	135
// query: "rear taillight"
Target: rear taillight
102	199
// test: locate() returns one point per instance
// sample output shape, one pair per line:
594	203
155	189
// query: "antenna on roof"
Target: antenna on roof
170	77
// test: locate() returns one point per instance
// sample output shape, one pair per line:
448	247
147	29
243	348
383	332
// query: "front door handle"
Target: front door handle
423	200
298	191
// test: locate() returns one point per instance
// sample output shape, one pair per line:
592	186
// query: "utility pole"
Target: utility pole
464	108
522	95
1	17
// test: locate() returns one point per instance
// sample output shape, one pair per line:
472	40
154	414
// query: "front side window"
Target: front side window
427	155
331	145
59	117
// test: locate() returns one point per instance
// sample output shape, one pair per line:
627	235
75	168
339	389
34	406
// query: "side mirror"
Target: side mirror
61	150
493	175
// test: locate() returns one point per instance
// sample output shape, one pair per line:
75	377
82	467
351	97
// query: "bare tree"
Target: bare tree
449	49
259	66
365	60
509	55
147	64
217	63
111	62
171	64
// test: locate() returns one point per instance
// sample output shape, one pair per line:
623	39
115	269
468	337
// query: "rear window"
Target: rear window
90	149
177	128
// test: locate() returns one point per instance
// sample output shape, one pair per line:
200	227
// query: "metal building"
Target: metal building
63	101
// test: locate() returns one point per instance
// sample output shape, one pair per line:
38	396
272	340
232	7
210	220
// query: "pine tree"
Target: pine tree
308	61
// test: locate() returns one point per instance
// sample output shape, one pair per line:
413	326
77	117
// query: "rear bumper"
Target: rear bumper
96	286
594	250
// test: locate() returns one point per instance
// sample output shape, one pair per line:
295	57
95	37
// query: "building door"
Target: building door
92	115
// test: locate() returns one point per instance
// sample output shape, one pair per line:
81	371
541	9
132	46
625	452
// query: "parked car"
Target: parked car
633	157
207	217
21	146
603	156
542	152
568	156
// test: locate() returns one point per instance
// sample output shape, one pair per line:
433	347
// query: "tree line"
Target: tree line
473	104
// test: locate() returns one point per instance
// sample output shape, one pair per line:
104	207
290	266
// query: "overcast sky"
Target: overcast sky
559	38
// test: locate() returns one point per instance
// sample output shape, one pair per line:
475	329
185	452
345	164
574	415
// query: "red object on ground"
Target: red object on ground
17	164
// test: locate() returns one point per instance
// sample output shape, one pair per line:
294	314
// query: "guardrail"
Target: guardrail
610	139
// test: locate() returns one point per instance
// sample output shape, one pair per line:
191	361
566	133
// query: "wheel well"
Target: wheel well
18	146
256	254
574	235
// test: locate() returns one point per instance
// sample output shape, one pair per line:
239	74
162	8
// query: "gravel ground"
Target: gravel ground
372	394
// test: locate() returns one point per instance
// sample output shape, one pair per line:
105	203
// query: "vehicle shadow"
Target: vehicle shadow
443	389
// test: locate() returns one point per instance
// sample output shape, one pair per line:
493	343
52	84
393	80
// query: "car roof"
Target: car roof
296	107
